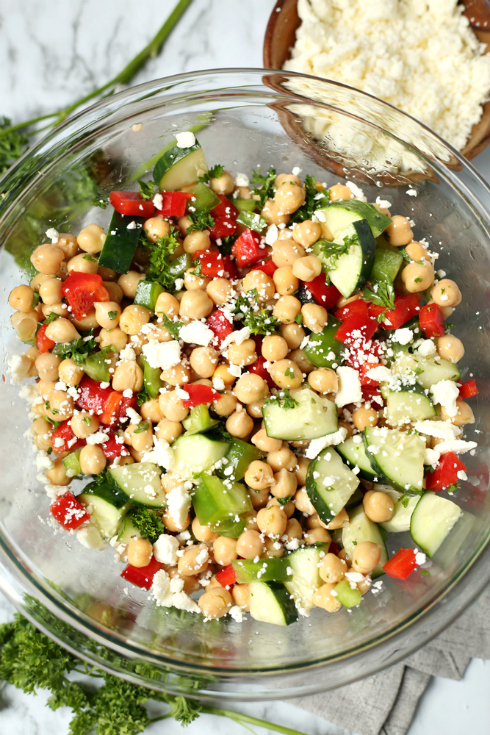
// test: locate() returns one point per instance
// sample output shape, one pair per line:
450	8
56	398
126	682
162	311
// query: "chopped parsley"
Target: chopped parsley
285	501
263	185
200	222
78	349
214	173
160	252
289	373
332	251
112	315
425	572
51	318
381	294
418	279
451	489
285	399
147	189
142	426
314	200
418	371
246	301
172	327
35	300
404	500
53	423
142	396
89	257
87	420
447	327
299	318
261	322
148	524
197	270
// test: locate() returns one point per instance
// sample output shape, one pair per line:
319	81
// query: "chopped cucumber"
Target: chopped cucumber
351	270
244	205
329	484
397	456
107	506
347	596
72	463
140	483
97	365
196	453
407	405
339	215
306	573
179	167
147	293
264	570
199	420
313	416
432	520
354	453
360	529
429	370
151	377
254	221
179	265
238	457
204	199
121	243
127	530
270	602
220	505
387	262
404	507
323	350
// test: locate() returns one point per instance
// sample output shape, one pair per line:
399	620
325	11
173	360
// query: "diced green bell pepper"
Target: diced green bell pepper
205	199
97	365
147	293
220	505
347	596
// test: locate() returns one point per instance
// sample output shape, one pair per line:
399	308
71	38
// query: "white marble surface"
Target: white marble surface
52	52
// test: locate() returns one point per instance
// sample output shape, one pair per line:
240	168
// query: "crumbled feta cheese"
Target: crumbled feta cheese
185	139
330	440
158	201
420	557
381	374
127	353
236	613
19	366
162	453
53	235
431	456
458	446
164	355
197	333
238	336
98	438
446	393
165	549
160	589
271	235
131	226
89	536
438	429
178	505
350	386
356	191
183	602
427	348
242	180
218	383
179	284
402	336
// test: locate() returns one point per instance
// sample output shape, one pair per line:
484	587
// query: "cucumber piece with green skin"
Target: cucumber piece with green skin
254	221
178	267
121	242
404	507
387	262
429	370
407	405
199	420
72	463
219	505
147	293
179	167
238	457
347	596
355	499
244	205
204	199
354	454
270	602
397	456
97	366
339	215
151	377
329	484
360	529
140	483
264	570
351	270
107	506
127	530
313	416
323	350
196	453
432	521
306	573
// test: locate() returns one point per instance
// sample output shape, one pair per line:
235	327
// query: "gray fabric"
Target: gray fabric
385	704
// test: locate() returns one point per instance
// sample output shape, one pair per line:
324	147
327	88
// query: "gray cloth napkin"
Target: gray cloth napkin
385	704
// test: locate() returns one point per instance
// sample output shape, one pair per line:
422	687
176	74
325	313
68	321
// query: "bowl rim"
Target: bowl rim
122	647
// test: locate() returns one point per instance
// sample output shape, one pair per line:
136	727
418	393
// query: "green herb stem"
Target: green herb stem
242	718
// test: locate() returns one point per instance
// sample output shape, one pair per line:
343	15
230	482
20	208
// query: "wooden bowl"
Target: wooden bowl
280	36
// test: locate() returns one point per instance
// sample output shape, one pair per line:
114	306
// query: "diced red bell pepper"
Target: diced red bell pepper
356	327
115	408
43	343
353	307
468	389
247	248
69	512
445	474
142	576
266	266
401	564
226	576
406	307
130	203
372	394
258	339
225	209
82	290
333	548
70	442
258	368
199	394
174	203
220	325
215	265
363	373
224	215
325	295
431	321
113	448
91	397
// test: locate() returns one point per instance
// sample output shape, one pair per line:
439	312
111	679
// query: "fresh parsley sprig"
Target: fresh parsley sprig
147	189
380	293
159	258
261	322
264	185
314	200
213	173
148	523
78	349
200	222
171	326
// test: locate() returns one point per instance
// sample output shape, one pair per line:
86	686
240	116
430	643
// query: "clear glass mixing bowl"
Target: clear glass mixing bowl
245	118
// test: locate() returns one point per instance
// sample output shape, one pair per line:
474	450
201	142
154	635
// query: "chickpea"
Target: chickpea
91	239
216	602
250	545
286	253
38	280
446	293
45	388
301	469
307	268
107	313
378	506
266	443
87	322
273	549
168	305
450	348
195	283
274	348
284	280
399	232
196	305
114	290
84	424
224	550
339	521
133	318
24	323
92	460
285	484
47	259
150	410
294	529
332	569
69	372
178	375
307	232
172	526
129	283
289	508
203	361
239	424
62	331
219	290
222	373
59	309
50	291
286	374
259	497
226	404
139	437
223	184
41	433
242	354
293	333
323	598
272	521
203	533
363	417
115	337
57	474
47	365
127	376
273	215
303	503
156	228
314	317
21	298
194	560
82	263
416	251
324	380
261	282
416	277
283	458
464	416
366	556
289	178
168	431
241	596
340	192
196	241
68	244
140	552
317	536
250	388
287	309
289	197
259	475
313	522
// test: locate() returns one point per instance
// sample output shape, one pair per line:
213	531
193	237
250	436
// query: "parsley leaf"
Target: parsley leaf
142	396
447	327
299	318
451	489
264	185
381	293
197	270
51	318
112	315
314	200
159	254
202	221
148	523
261	322
78	349
289	373
284	398
214	173
246	301
35	300
332	251
285	501
404	500
147	189
142	426
54	424
171	326
12	146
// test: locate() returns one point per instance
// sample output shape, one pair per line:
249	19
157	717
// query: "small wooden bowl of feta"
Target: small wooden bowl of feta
449	69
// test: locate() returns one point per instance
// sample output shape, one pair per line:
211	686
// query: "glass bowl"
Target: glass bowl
244	119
